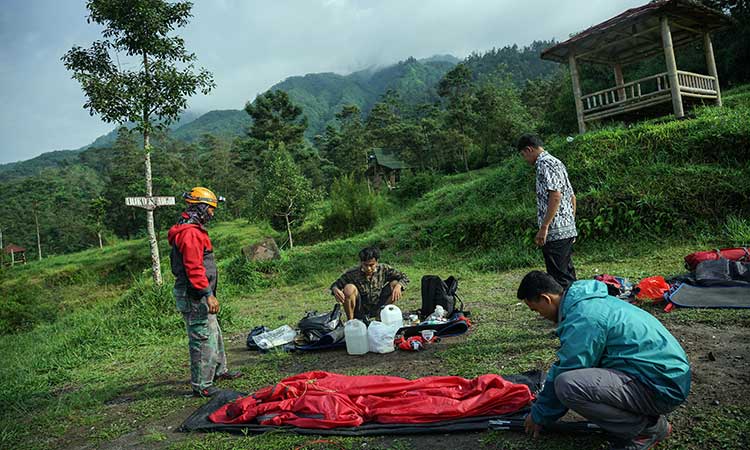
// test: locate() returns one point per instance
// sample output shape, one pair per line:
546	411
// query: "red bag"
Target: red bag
732	254
652	288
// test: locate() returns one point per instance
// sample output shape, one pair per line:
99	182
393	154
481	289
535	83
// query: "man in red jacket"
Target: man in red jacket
194	269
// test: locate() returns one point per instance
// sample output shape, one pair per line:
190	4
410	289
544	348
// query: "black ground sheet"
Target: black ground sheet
198	421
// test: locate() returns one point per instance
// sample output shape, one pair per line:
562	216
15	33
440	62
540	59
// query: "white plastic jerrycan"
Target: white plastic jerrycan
391	316
355	335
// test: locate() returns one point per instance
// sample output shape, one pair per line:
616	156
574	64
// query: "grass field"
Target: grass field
112	375
95	356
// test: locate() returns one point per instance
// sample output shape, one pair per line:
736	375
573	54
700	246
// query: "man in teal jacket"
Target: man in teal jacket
618	366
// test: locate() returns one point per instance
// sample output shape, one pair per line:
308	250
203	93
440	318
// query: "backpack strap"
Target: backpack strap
455	296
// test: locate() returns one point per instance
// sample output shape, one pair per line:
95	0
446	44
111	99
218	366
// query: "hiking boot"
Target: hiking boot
206	392
649	437
228	375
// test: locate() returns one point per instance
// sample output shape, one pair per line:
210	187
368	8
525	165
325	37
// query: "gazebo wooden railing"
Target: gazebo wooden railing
646	92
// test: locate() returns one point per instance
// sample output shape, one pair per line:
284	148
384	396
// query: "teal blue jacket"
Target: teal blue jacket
598	330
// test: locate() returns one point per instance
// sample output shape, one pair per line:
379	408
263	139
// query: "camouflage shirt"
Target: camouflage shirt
370	288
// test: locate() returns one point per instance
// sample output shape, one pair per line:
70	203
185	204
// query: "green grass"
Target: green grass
93	353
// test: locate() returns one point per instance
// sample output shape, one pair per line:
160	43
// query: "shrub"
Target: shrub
353	207
251	275
416	185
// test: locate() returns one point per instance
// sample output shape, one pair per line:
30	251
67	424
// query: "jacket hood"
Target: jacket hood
581	291
179	228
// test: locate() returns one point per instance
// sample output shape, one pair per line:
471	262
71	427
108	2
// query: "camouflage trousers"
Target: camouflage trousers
207	357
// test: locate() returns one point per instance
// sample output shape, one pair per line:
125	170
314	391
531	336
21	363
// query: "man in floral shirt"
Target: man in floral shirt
556	210
364	289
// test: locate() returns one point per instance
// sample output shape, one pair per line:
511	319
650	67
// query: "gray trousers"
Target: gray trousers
614	400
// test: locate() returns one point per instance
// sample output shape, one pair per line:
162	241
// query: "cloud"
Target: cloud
250	45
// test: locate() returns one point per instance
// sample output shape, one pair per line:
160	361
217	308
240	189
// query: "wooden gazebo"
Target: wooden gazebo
17	254
384	166
635	35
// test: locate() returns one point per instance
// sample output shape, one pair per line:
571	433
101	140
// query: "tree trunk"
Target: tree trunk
99	235
289	231
154	244
38	238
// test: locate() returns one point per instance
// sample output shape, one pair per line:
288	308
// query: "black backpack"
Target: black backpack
436	292
314	326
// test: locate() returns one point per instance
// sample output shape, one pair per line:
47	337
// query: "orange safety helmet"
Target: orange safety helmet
202	195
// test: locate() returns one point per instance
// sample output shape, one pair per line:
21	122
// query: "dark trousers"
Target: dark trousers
559	261
367	307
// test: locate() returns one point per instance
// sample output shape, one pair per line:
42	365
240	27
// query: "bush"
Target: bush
251	275
353	207
416	185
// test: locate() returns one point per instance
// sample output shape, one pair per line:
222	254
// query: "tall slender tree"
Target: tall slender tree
153	94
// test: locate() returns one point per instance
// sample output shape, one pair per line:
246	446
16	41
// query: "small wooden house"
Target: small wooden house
637	34
384	167
17	255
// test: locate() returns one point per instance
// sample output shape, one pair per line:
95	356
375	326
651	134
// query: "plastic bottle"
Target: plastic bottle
275	338
438	315
391	316
355	335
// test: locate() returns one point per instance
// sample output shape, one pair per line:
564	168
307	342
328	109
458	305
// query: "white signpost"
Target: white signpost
150	203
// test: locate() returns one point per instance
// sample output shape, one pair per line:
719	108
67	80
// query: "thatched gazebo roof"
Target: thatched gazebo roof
635	35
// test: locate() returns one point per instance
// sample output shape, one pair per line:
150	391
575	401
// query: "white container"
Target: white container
355	335
391	316
380	337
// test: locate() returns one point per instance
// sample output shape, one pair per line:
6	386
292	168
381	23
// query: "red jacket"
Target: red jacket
193	263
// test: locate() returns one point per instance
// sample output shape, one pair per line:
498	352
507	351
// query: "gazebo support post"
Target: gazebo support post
711	64
576	92
619	81
674	84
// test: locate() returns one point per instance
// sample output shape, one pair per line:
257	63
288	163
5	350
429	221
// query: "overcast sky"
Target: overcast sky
250	45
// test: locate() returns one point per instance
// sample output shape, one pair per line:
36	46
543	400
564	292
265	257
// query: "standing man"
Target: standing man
194	269
364	289
618	366
556	210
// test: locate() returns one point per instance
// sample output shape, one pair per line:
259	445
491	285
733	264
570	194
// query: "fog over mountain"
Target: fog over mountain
250	45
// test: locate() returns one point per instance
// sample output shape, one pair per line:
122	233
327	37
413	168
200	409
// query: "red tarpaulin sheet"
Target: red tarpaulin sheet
328	400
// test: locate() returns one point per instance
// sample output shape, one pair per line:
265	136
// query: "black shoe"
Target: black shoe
228	375
648	438
206	392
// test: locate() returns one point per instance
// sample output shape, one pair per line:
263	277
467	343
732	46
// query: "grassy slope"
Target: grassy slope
113	366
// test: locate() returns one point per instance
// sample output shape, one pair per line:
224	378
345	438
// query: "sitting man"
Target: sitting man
618	366
364	289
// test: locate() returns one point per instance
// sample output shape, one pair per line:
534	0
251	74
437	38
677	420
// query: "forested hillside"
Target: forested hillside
438	117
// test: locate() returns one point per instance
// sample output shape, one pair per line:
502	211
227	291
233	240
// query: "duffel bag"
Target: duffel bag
732	254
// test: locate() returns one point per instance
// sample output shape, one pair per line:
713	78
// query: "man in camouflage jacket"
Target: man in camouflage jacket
366	288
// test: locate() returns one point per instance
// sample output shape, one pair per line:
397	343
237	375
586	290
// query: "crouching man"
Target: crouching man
366	288
618	366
